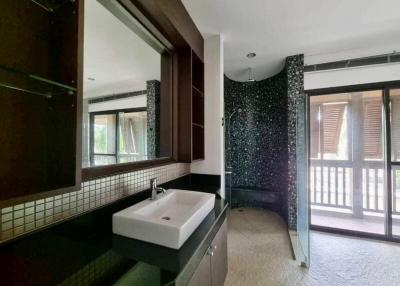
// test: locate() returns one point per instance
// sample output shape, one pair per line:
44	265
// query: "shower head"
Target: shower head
251	78
239	110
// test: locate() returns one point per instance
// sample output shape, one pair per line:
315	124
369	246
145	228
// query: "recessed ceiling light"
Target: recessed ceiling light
251	55
91	78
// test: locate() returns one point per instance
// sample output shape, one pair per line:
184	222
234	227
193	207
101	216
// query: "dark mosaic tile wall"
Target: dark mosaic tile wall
260	139
256	141
153	118
294	68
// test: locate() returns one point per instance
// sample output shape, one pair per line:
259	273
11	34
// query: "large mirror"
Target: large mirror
122	89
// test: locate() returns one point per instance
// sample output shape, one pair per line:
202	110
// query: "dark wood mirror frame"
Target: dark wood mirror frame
166	129
171	25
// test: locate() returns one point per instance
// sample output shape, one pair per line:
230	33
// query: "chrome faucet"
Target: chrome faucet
155	190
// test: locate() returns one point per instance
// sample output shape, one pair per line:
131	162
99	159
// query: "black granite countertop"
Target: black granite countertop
84	251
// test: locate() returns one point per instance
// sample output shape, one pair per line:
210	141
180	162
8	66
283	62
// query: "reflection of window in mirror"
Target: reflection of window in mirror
122	86
118	136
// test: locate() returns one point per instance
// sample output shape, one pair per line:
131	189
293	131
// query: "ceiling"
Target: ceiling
324	30
115	57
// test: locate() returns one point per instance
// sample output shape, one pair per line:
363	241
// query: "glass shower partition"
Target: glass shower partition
303	208
228	160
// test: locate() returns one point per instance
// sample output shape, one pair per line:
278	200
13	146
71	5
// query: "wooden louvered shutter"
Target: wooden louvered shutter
372	129
395	130
332	125
315	130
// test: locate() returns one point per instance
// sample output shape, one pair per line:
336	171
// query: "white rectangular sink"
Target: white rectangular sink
168	221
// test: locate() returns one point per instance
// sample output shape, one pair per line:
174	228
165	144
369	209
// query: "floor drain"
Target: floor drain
166	218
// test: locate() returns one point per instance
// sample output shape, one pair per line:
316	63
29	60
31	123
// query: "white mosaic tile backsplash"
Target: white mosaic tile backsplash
23	218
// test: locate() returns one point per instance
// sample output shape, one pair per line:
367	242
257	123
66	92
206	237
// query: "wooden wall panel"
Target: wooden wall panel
174	22
38	132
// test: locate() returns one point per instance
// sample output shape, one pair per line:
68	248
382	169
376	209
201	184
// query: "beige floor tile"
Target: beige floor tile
259	253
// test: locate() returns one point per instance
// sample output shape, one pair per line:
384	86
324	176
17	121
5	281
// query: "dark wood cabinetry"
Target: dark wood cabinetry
39	98
213	267
191	107
219	259
41	74
202	276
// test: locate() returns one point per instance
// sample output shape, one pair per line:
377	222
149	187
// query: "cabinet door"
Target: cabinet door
202	276
39	98
219	259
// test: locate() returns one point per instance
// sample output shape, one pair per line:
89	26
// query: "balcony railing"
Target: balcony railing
331	184
356	187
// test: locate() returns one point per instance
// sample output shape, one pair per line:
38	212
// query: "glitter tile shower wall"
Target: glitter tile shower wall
260	139
256	142
153	118
294	68
23	218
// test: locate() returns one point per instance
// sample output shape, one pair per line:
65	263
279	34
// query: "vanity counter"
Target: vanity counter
84	251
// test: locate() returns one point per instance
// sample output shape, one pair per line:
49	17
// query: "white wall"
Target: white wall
352	76
214	110
124	103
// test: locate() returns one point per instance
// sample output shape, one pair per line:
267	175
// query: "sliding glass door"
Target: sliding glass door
354	170
347	170
394	97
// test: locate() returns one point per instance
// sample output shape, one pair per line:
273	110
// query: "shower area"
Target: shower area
260	141
266	148
256	152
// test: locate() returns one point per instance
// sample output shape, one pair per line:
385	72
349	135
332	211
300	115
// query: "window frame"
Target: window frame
115	112
321	141
169	123
385	86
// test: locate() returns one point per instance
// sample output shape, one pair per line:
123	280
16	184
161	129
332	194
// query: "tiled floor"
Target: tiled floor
366	224
374	225
259	253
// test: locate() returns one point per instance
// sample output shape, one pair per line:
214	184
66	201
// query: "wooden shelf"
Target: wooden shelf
40	103
197	92
198	125
197	73
32	84
191	110
198	142
198	110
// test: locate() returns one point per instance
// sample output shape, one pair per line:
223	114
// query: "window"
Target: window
395	123
132	136
395	147
118	136
373	131
104	134
329	127
335	137
347	170
315	117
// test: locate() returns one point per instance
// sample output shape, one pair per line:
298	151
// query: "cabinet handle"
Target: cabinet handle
210	251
